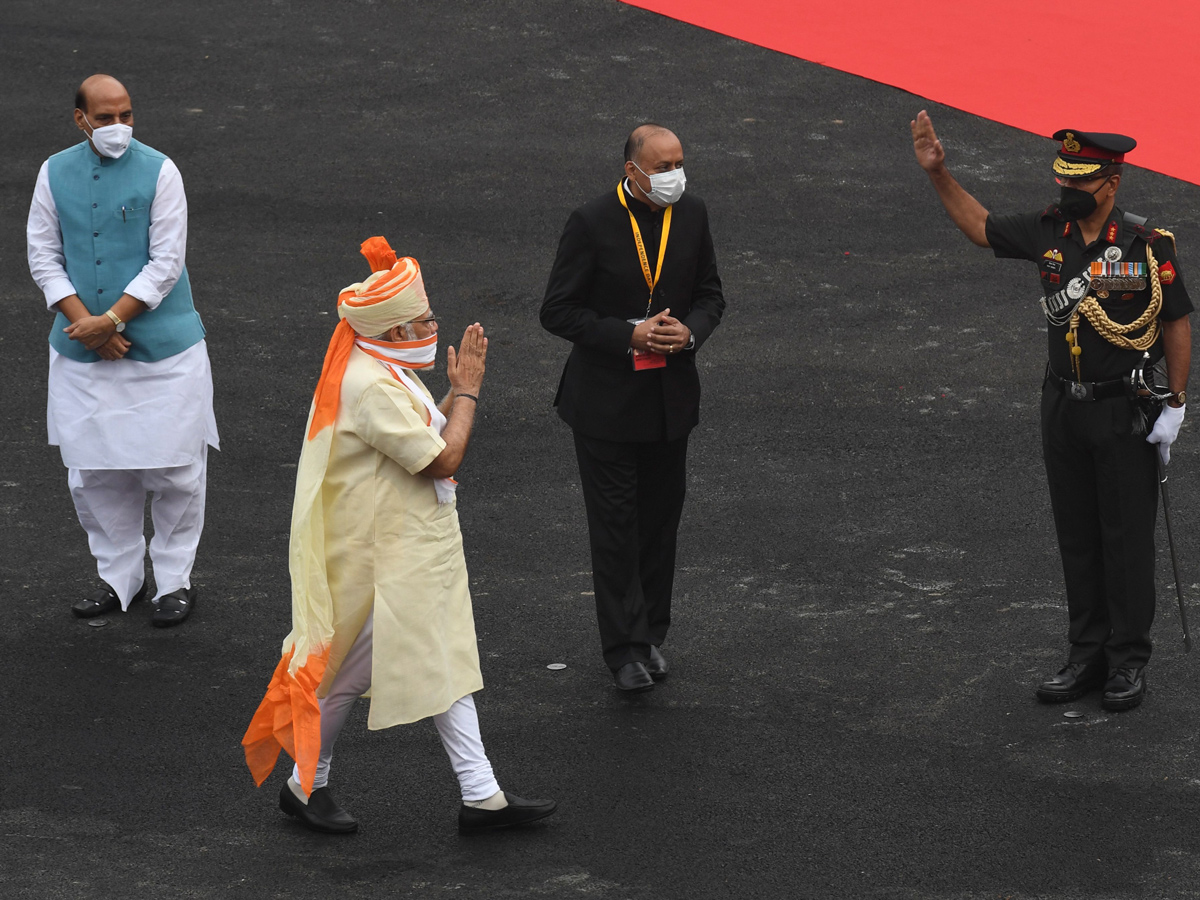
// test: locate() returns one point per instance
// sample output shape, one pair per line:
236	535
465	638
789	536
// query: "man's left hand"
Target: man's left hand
114	348
91	331
1166	430
668	335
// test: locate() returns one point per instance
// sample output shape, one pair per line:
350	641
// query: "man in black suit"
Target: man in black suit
635	288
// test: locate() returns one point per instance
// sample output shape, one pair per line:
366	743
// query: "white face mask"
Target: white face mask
665	187
111	140
421	356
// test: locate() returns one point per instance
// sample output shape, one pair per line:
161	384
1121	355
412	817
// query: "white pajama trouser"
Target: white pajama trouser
458	726
111	505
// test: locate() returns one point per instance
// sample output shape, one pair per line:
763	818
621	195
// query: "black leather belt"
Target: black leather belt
1087	391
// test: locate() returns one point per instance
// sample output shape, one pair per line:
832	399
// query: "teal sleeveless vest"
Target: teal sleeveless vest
104	214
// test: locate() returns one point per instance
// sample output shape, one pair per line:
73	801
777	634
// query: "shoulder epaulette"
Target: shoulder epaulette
1149	235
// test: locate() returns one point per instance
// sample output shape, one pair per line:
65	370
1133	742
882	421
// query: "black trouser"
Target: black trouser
634	496
1104	492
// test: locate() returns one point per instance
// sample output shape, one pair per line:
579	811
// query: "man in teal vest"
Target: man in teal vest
130	389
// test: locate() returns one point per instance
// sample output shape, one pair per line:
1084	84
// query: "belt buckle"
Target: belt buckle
1080	390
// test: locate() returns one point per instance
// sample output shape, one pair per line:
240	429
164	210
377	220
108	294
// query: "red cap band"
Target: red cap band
1094	153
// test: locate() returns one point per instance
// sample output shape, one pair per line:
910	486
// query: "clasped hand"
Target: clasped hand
661	333
100	334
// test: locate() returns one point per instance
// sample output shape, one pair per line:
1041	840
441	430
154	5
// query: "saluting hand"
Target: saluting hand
465	367
930	153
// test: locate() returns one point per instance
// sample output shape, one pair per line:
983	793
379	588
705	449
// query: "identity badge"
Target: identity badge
646	359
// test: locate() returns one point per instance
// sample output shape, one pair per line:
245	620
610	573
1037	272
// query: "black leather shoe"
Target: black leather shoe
173	608
657	667
633	677
320	814
1125	689
518	812
1072	682
102	601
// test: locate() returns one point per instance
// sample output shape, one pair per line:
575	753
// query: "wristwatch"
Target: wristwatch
1180	398
116	320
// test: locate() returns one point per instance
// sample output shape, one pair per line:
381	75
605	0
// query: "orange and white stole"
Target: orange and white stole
289	716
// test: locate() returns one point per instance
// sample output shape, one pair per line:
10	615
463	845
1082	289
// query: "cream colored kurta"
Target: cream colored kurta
390	546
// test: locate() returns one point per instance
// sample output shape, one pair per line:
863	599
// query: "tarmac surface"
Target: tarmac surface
869	587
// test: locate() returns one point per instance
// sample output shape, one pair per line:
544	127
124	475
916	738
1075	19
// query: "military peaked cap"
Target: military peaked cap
1084	153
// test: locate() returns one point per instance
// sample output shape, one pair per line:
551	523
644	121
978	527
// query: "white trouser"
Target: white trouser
111	505
458	726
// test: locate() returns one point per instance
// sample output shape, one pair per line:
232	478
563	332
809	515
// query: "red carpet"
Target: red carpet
1027	63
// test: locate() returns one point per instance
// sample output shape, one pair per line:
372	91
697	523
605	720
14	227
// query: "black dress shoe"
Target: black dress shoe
1125	689
102	601
320	814
518	812
173	608
657	667
1072	682
633	677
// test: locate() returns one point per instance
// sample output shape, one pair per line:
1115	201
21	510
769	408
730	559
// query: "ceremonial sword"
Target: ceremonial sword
1162	484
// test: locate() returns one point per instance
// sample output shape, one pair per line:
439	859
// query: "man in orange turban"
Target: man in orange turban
380	600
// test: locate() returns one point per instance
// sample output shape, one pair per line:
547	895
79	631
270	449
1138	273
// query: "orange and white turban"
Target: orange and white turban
289	718
389	297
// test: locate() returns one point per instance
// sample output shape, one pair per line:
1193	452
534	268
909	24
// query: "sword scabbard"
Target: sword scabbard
1166	499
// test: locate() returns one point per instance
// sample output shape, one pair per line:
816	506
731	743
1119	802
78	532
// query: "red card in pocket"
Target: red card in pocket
646	359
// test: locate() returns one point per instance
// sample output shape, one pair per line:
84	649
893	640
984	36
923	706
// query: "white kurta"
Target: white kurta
124	414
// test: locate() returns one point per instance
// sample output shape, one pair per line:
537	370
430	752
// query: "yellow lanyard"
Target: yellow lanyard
651	280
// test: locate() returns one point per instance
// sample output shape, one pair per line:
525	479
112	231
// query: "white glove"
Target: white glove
1166	429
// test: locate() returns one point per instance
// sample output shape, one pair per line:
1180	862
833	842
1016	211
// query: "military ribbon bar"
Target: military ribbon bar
1105	269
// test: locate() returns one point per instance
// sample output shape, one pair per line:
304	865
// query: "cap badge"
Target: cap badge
1112	254
1070	145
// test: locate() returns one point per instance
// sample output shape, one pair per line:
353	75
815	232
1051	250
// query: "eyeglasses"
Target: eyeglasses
1064	181
429	321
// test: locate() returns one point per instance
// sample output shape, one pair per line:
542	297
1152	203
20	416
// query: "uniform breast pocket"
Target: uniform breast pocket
132	214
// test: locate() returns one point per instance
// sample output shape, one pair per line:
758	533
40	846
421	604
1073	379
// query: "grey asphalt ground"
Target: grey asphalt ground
868	586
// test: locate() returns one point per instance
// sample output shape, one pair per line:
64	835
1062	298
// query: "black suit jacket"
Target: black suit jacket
597	285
